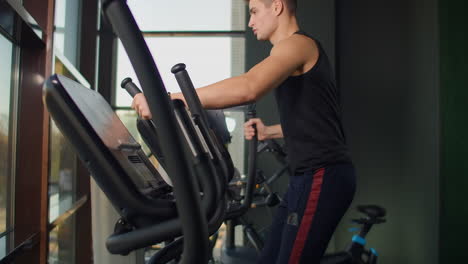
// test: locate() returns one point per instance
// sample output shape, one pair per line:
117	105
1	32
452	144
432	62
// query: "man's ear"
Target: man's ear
278	7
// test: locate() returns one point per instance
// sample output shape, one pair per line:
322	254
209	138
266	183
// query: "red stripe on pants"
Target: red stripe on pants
308	217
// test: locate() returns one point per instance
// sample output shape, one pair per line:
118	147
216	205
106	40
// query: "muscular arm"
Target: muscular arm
286	57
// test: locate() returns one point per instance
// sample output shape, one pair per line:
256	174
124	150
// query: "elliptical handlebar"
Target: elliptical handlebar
131	87
219	153
251	174
187	88
196	108
146	127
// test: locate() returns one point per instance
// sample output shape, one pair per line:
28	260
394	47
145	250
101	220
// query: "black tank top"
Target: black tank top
310	114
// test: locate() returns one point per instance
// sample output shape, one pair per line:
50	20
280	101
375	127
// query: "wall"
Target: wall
454	130
388	71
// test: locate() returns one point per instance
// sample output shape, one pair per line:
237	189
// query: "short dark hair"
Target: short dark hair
290	4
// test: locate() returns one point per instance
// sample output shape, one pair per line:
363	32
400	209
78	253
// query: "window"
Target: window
62	188
62	242
208	60
6	142
63	160
188	15
67	29
208	36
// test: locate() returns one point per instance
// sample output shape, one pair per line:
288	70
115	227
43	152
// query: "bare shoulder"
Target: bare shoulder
290	57
296	43
299	48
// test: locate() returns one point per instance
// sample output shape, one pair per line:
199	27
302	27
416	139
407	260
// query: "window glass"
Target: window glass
188	15
62	243
129	119
208	60
2	247
235	124
5	138
67	29
62	174
62	163
62	188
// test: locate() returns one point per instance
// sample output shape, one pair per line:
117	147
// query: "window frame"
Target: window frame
8	234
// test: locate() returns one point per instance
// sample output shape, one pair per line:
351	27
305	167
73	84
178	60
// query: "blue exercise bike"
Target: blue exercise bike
356	252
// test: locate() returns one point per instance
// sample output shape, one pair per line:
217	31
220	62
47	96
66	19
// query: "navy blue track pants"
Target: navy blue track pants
312	207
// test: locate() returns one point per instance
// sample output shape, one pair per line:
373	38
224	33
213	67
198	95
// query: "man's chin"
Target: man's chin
260	38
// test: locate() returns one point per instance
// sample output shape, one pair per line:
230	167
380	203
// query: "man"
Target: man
323	182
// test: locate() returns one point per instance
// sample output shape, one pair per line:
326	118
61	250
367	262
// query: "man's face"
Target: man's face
262	19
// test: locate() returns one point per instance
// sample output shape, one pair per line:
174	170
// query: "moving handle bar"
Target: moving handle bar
238	210
196	109
146	127
193	219
220	153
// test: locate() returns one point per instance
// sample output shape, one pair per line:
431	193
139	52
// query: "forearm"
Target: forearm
227	93
274	131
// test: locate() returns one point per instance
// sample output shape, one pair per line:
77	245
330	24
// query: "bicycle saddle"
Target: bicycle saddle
373	211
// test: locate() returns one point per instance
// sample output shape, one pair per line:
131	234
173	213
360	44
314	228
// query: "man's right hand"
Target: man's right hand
249	131
141	106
